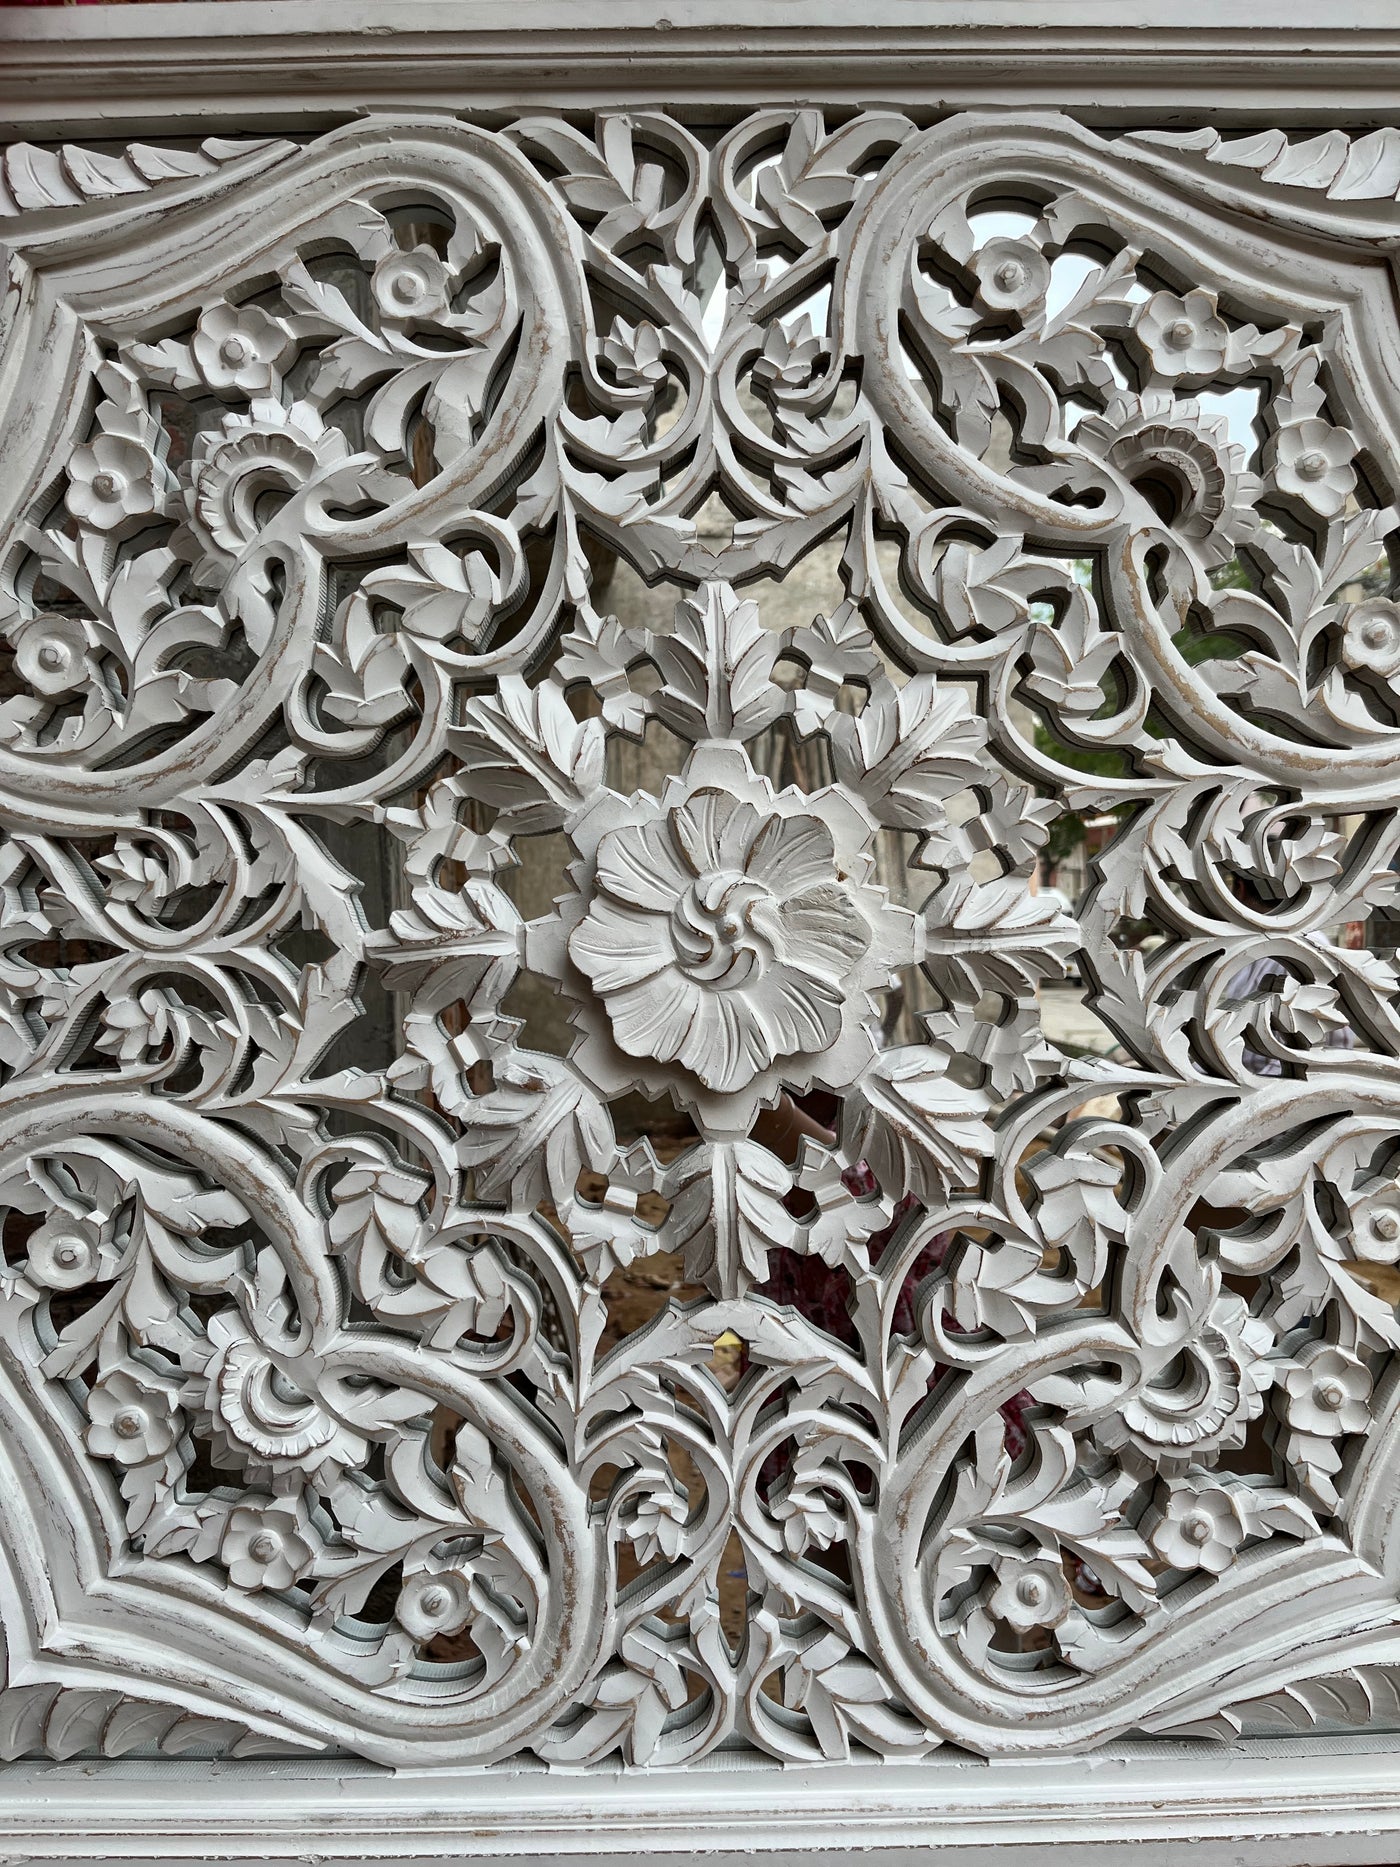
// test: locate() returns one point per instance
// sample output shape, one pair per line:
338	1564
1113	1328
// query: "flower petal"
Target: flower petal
639	864
715	831
823	932
727	1045
795	1012
656	1017
789	854
617	949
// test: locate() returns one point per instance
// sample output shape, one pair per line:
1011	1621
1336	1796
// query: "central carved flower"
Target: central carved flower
718	929
721	937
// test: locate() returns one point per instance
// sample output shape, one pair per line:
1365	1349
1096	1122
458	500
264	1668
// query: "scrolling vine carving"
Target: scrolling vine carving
313	1428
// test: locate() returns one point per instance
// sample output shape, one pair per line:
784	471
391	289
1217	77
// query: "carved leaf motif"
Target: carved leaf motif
365	678
598	651
614	182
1346	168
842	1696
634	1701
717	665
445	595
533	1135
995	936
835	649
36	179
920	1131
528	755
611	1232
909	750
728	1213
379	1205
1072	662
813	176
479	919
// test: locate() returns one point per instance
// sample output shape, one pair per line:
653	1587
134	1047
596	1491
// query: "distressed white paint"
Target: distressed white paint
1258	1804
351	585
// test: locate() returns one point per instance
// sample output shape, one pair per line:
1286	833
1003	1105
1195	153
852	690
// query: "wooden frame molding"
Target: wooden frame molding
1259	1804
254	64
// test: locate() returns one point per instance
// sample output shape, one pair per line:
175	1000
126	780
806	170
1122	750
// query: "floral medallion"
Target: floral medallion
734	932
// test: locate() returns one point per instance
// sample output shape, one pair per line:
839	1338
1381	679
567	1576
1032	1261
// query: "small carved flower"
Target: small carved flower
1375	1224
1183	336
1328	1393
658	1523
130	1420
1188	468
807	1515
1311	460
238	348
1012	275
1031	1591
410	286
788	357
267	1545
634	351
269	449
721	938
64	1253
111	483
53	654
444	594
434	1601
1371	637
263	1417
1204	1398
1201	1527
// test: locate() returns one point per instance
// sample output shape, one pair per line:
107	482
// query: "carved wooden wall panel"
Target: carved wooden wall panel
312	1431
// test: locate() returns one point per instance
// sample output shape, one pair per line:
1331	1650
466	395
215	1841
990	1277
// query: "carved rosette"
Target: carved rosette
730	941
1062	1402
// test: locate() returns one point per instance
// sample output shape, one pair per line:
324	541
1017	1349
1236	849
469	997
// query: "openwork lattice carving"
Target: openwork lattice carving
317	1425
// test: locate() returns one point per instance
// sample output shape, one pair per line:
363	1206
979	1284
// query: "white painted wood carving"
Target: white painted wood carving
313	1432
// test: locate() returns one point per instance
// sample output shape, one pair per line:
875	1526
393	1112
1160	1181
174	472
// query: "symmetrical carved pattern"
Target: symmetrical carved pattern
314	1430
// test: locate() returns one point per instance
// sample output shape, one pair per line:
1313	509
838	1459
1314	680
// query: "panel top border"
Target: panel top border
251	64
